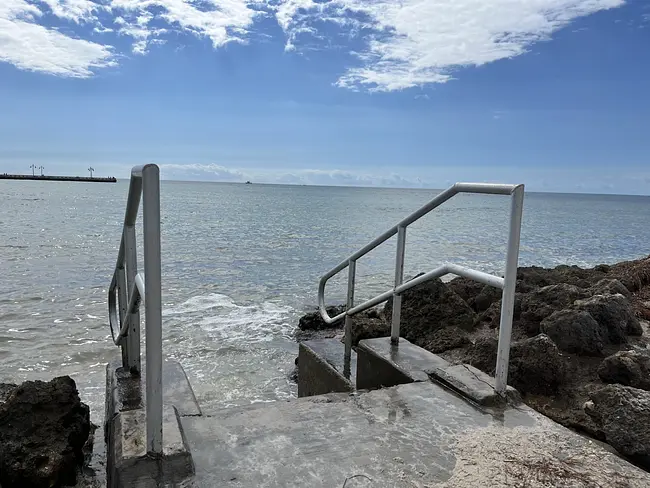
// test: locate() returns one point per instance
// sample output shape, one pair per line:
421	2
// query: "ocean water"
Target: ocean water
241	263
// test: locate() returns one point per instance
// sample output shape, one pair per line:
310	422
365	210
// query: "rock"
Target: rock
313	320
445	339
43	429
575	331
532	277
623	415
629	368
493	313
634	275
613	312
466	288
5	391
477	295
483	354
609	286
368	325
539	304
536	366
487	296
431	306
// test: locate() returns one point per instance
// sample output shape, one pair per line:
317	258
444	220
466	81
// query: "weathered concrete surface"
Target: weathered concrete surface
381	364
414	435
125	427
131	467
321	368
474	385
126	392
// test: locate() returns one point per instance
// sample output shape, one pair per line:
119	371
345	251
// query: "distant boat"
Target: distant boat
249	183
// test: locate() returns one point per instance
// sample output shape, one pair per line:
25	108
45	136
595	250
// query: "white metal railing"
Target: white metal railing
507	283
132	288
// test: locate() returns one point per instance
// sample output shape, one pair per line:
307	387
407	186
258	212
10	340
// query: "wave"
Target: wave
221	318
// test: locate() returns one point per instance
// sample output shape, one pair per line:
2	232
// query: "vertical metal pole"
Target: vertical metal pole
508	297
153	306
133	337
352	267
399	277
122	303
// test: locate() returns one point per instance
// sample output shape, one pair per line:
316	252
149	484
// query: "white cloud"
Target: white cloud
31	46
75	10
200	172
397	44
221	21
415	42
334	177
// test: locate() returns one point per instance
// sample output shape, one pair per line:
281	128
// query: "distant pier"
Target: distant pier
95	179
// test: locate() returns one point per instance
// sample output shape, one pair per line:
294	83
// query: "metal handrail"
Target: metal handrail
507	283
134	289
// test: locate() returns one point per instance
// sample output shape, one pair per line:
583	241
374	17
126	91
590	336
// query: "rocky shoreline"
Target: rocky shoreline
580	346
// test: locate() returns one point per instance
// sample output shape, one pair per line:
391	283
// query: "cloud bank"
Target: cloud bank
570	180
398	44
333	177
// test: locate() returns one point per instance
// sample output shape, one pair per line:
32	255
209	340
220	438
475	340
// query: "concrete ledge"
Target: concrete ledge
131	466
321	368
126	392
473	384
382	364
125	416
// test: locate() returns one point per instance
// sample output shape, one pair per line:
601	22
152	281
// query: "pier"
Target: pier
94	179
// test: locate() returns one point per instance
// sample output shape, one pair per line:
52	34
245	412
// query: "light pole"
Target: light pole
41	168
91	169
33	166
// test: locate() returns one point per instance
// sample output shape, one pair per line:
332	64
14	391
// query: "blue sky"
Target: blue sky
551	93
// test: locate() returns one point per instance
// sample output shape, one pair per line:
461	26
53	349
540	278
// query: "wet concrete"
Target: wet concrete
412	435
321	368
382	364
128	464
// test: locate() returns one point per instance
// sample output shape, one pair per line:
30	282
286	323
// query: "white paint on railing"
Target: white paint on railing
134	290
507	284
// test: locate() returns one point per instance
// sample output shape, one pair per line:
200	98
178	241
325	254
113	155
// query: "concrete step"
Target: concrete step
321	368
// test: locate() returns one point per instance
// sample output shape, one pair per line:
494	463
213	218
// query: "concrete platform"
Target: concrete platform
414	435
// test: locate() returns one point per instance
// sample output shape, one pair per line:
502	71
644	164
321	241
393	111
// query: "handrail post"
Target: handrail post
399	277
153	306
122	303
133	337
508	297
352	267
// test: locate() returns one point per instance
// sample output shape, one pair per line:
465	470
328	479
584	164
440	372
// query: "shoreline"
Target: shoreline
580	350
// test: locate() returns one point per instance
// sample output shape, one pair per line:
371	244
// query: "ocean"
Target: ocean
241	263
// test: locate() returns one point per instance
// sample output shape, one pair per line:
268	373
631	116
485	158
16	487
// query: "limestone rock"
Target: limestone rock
609	286
613	312
314	321
536	366
575	331
445	339
43	429
539	304
629	368
431	306
623	414
483	354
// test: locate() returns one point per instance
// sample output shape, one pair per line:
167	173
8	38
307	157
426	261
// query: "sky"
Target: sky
554	94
